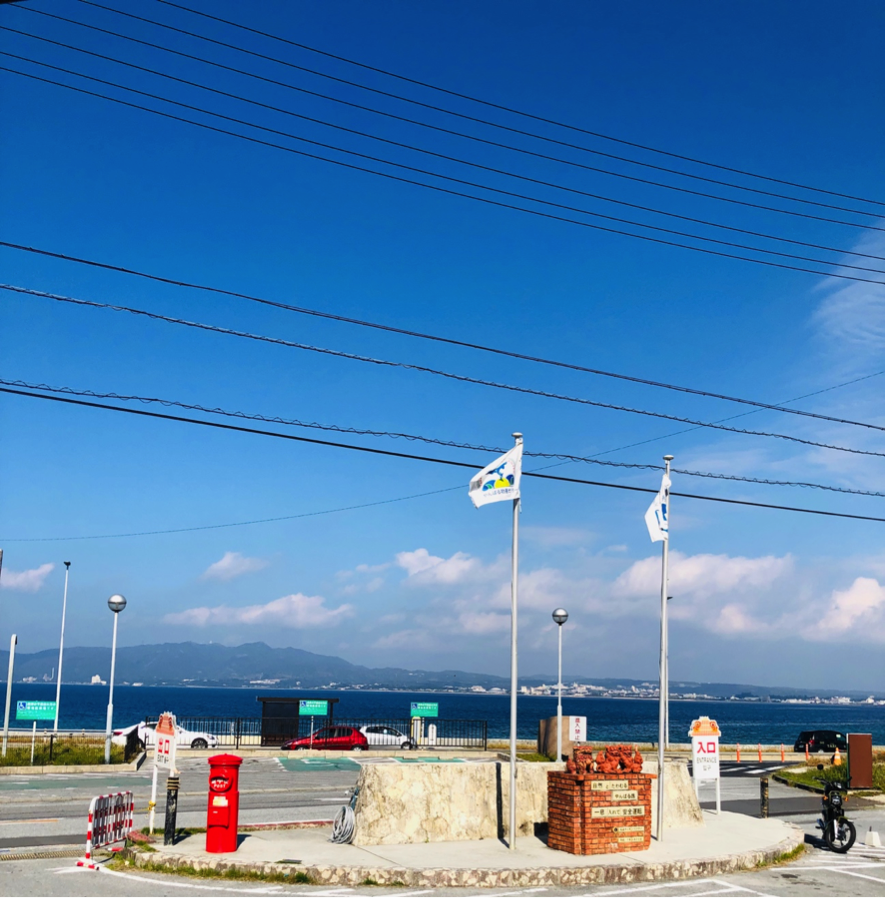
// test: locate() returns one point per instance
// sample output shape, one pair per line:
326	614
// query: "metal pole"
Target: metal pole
12	644
172	784
111	695
512	815
61	647
152	804
559	692
663	660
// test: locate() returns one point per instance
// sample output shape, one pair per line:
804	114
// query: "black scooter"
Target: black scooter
838	832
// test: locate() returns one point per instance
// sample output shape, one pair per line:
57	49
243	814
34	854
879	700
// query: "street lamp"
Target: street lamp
61	647
560	617
116	603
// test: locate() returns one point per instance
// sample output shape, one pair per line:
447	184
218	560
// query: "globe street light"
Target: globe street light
560	617
116	603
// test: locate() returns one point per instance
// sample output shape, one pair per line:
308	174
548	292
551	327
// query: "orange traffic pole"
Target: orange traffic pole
807	752
782	752
759	753
737	753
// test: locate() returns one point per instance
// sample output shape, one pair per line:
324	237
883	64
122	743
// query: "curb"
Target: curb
435	877
42	769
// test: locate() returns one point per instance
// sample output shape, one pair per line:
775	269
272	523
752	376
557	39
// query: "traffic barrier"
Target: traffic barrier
782	752
807	752
759	753
110	820
737	753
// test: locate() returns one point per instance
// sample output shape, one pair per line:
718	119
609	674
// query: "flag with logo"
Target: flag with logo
499	480
657	513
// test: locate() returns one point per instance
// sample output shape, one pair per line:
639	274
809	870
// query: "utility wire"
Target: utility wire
440	461
290	344
439	129
436	338
452	444
399	165
405	180
486	103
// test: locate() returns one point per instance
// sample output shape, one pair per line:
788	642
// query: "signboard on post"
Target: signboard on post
313	707
35	710
164	753
423	709
705	736
578	729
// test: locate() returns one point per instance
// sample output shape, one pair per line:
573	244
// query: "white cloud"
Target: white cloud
26	581
232	564
296	610
857	610
424	569
702	575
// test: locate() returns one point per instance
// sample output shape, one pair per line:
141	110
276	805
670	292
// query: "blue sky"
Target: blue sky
759	594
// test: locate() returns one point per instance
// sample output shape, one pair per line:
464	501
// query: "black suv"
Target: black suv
820	740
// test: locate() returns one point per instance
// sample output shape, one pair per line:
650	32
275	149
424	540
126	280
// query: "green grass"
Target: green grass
64	752
533	756
785	857
810	776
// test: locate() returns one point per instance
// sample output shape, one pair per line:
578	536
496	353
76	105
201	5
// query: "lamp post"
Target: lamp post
560	617
116	603
61	647
12	644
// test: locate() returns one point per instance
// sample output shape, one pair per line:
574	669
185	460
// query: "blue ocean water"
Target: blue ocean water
616	720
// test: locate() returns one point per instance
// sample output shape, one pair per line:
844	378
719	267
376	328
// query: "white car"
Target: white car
183	738
378	735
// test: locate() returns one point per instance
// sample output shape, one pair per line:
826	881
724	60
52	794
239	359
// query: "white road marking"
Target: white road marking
245	889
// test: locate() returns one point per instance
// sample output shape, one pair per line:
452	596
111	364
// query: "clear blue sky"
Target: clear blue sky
760	595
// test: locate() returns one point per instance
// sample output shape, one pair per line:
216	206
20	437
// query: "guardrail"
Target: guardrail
243	732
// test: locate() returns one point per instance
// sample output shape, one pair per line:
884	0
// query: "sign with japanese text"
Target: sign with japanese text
423	709
35	710
705	749
313	707
578	729
164	751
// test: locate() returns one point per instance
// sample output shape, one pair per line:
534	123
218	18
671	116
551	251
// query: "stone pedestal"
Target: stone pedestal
594	813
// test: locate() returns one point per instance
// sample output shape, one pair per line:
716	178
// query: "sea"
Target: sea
608	719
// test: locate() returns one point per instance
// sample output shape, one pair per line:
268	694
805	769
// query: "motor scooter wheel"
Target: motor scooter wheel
843	839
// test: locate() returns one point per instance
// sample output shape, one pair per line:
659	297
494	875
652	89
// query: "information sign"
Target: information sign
423	709
164	752
578	729
313	707
35	710
705	736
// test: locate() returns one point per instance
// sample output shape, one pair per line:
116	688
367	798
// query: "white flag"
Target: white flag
498	481
657	514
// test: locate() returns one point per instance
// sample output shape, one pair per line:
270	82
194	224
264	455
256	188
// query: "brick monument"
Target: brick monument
600	805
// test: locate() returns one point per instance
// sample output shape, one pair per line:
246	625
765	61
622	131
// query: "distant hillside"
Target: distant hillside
202	664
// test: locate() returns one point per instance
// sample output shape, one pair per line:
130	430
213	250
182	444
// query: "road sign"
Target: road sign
35	710
313	707
423	709
164	752
578	729
706	754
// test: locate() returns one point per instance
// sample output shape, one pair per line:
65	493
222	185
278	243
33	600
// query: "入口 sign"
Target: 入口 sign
705	736
164	753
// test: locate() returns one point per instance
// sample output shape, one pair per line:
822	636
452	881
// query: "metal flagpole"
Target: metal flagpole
61	647
512	815
663	660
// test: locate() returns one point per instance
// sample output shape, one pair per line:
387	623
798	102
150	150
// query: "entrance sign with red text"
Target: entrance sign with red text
705	736
164	754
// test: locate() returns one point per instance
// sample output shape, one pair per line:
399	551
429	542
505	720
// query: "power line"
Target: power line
436	338
404	180
399	165
444	131
452	444
485	103
440	461
462	378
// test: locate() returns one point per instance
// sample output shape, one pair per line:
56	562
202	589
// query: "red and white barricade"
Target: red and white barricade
110	820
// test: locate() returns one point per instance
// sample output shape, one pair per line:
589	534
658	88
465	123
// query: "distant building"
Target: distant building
97	681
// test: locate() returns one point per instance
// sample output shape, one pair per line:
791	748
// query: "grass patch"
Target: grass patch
59	751
810	776
533	756
785	857
369	881
297	876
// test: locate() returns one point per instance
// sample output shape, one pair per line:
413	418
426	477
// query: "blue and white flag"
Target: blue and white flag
657	514
498	481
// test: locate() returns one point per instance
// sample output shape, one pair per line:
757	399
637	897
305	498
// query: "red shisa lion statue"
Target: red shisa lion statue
614	760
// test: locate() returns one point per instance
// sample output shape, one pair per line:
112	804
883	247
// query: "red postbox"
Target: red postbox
224	803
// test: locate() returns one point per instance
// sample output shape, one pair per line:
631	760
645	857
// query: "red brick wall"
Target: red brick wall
584	818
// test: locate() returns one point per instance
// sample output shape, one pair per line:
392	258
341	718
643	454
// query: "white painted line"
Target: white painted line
667	885
245	889
846	872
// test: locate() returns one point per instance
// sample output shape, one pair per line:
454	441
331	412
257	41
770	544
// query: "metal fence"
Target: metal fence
44	748
243	732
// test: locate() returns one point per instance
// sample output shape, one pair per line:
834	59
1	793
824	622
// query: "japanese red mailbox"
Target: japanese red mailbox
224	803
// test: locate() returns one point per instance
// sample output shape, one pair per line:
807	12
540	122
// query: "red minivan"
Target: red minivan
334	737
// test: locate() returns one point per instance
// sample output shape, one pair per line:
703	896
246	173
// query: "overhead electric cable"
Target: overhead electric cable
410	168
462	378
436	338
404	180
451	444
442	130
486	103
440	461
